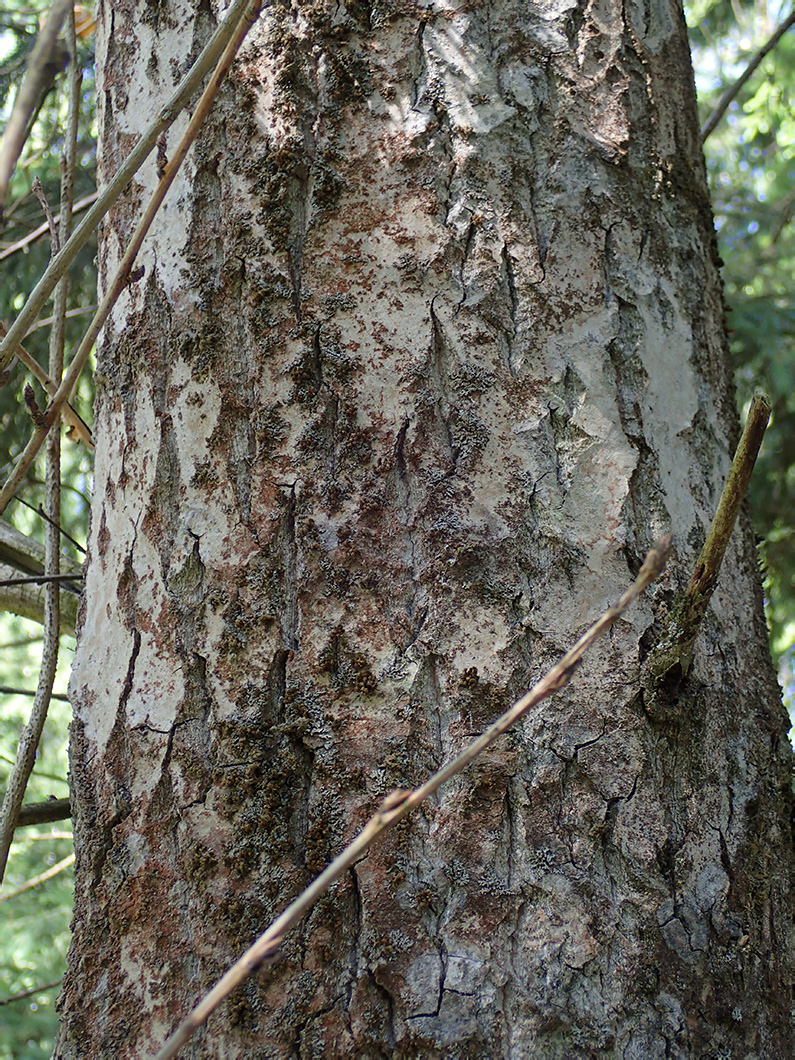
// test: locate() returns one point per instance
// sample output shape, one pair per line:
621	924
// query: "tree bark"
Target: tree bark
429	348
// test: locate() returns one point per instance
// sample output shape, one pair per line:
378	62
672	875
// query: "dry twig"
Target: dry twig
23	994
124	272
114	189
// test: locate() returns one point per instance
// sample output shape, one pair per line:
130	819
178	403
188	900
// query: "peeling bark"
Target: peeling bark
428	350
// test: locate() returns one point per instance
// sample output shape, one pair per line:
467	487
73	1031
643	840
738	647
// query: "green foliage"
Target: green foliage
751	166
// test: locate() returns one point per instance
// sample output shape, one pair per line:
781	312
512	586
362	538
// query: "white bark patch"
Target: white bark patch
466	77
671	400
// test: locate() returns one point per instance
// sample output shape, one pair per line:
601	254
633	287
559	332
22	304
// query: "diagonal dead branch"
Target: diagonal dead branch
124	271
111	193
399	803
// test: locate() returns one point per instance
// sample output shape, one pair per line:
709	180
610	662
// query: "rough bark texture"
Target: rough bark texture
428	349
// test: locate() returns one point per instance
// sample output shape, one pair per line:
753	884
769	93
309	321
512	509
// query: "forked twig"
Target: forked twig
75	421
123	272
400	802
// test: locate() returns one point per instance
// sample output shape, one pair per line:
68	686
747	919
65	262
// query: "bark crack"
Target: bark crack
510	281
289	550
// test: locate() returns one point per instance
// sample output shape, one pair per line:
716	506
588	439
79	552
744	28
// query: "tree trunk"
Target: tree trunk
429	348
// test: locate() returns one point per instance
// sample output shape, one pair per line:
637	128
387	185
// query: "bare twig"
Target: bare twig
39	579
38	191
400	802
40	511
78	311
23	994
28	885
75	421
733	90
31	237
675	647
110	194
9	690
28	601
123	272
25	553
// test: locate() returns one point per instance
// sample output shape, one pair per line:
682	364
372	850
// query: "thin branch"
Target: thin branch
75	421
44	812
28	602
732	91
124	271
25	553
31	237
675	647
64	533
10	690
28	885
80	311
110	194
30	993
41	579
400	802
